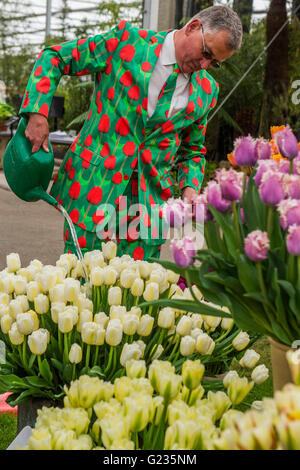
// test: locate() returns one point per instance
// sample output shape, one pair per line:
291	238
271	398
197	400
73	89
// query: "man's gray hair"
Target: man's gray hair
219	18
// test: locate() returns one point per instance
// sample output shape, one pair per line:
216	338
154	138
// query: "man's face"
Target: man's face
189	47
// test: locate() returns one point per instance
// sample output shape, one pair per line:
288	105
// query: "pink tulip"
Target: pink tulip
287	143
293	240
262	167
291	186
231	184
289	211
257	245
263	149
245	152
214	197
201	212
176	212
183	251
271	190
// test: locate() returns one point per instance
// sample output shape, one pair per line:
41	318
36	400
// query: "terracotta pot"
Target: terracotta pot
281	370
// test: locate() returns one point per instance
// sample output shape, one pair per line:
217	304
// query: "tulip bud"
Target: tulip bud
82	303
144	269
15	307
6	322
20	285
47	280
241	341
25	323
75	354
205	344
226	323
23	301
114	295
65	321
187	346
231	375
38	341
168	385
130	324
101	319
135	369
173	278
183	251
57	293
293	240
41	304
15	336
136	311
286	142
249	359
151	291
211	323
110	275
257	245
137	287
145	325
109	249
192	373
4	298
197	320
184	325
56	308
35	319
156	352
166	318
84	316
13	262
260	374
32	290
220	401
127	278
114	333
7	284
97	276
238	389
129	352
93	334
245	151
72	289
4	310
271	189
117	311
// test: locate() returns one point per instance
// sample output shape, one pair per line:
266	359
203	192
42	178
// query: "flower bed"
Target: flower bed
158	409
54	331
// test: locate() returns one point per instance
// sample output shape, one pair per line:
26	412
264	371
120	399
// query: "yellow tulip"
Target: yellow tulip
135	369
238	389
192	373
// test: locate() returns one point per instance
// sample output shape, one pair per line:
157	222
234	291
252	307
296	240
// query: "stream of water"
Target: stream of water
78	249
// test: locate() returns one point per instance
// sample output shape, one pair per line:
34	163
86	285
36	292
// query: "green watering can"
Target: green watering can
28	174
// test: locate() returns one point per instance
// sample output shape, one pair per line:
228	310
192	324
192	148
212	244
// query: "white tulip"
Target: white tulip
114	295
72	289
25	323
57	293
56	308
41	304
184	325
250	359
101	319
117	311
109	249
110	275
166	318
260	374
20	284
38	341
84	316
130	324
187	345
32	290
97	276
13	262
129	352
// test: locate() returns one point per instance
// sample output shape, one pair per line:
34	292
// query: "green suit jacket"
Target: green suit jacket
116	137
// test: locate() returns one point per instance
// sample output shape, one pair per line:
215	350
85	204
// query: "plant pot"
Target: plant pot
280	367
27	411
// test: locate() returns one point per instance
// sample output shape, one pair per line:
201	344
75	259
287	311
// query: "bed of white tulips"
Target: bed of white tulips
159	409
56	329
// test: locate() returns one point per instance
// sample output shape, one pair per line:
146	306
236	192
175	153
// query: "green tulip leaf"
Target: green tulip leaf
189	306
46	371
67	373
247	274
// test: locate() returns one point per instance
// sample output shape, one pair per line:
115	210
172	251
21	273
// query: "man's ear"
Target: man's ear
193	25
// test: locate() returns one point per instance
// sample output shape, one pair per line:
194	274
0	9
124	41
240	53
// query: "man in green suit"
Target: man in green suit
148	111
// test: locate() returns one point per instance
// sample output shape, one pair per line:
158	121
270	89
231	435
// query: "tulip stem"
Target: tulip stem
174	348
87	357
291	167
73	371
236	224
291	268
60	341
109	360
298	266
269	221
96	355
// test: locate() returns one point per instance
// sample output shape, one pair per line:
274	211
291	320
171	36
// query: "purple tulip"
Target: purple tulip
182	283
231	184
183	251
270	190
283	166
293	240
291	186
263	149
287	143
245	152
289	212
214	197
262	167
201	212
176	212
257	245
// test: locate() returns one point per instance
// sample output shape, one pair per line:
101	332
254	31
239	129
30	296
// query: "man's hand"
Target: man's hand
37	132
189	194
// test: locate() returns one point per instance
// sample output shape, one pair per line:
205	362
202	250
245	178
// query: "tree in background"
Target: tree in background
296	8
244	9
276	81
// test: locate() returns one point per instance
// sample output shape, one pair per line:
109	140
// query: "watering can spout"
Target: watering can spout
28	174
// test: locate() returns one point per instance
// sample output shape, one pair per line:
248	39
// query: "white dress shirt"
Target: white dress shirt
163	68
